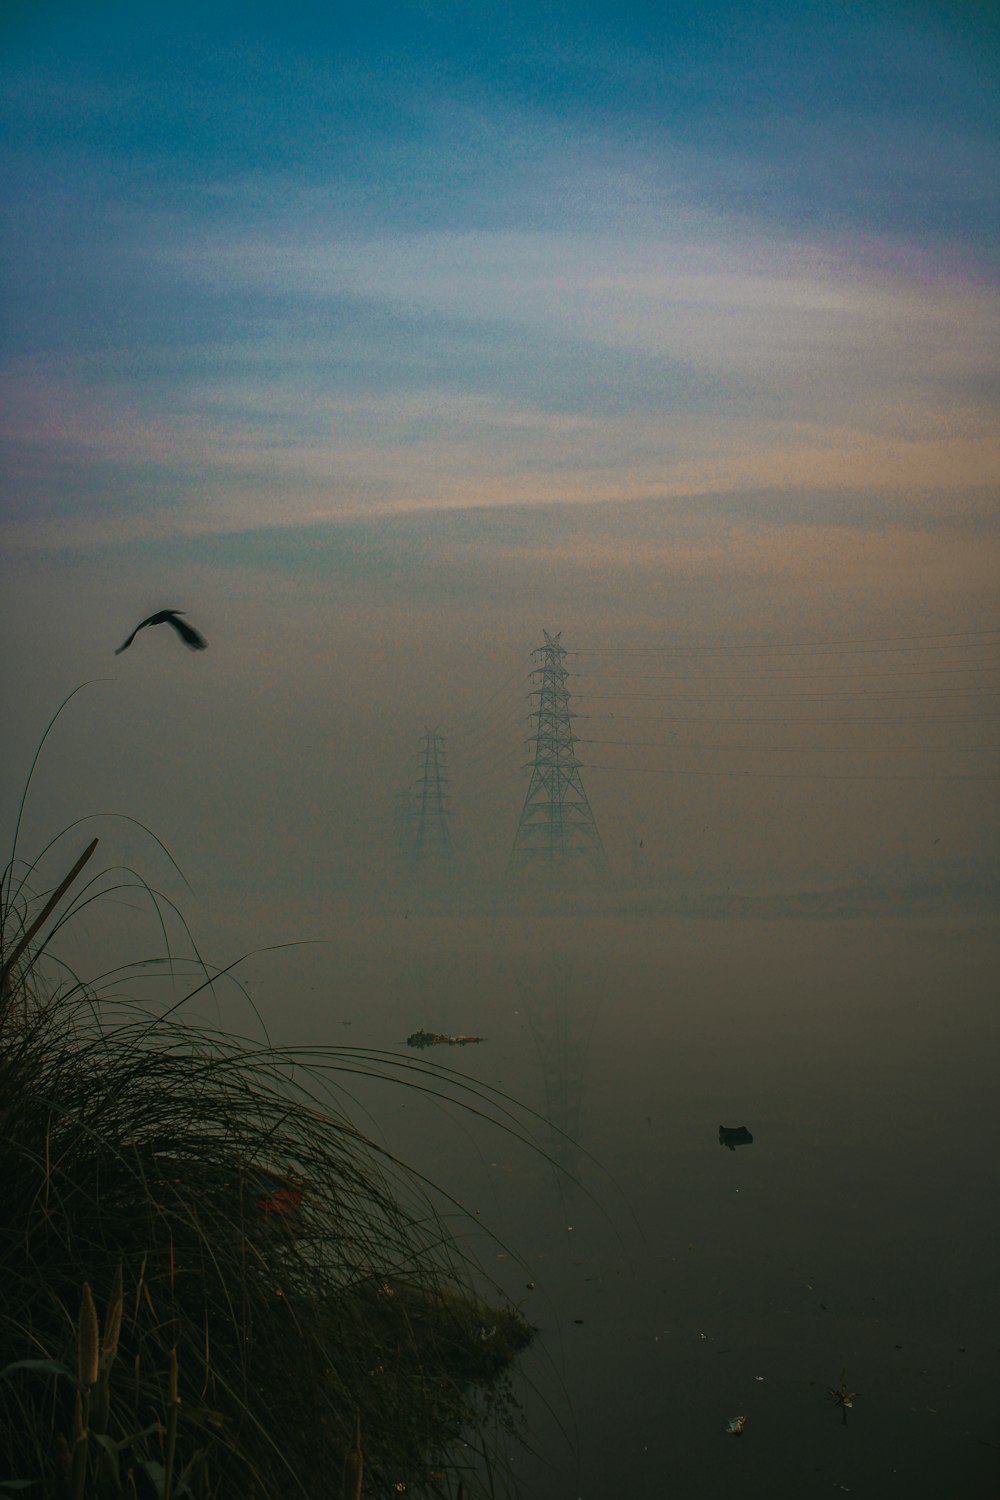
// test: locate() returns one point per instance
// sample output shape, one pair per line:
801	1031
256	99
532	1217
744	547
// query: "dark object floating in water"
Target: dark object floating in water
436	1039
734	1135
191	637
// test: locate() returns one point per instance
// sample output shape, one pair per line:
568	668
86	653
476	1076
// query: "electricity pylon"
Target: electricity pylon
556	831
430	851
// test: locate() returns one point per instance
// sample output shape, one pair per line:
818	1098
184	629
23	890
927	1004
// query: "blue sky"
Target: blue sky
274	268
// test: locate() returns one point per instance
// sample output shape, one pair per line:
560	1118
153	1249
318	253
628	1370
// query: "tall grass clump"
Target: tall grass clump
212	1283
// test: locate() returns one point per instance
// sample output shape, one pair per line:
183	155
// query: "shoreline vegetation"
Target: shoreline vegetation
213	1283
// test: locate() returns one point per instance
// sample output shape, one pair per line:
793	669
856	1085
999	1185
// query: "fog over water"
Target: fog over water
842	1010
676	1283
797	934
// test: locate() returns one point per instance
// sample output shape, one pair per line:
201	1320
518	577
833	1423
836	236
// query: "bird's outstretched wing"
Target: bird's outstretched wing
191	637
187	633
126	644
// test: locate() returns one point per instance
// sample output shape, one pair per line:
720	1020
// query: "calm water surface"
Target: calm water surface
678	1284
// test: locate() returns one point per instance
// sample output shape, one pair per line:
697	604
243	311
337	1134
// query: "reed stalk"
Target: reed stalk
173	1410
8	965
88	1353
354	1465
108	1353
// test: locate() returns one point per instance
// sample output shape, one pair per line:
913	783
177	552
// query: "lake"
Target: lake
677	1283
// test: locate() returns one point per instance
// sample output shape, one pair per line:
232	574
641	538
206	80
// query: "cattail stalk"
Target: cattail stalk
354	1465
87	1360
88	1342
109	1351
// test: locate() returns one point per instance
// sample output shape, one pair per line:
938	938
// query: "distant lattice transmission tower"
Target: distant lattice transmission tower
557	832
429	845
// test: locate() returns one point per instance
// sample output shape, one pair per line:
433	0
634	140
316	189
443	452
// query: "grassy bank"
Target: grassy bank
211	1282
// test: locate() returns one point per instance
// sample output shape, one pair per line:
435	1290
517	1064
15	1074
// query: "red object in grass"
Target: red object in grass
283	1200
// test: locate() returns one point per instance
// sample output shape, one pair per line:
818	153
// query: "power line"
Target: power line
508	712
795	775
809	719
815	697
500	758
484	709
797	676
872	645
513	714
803	749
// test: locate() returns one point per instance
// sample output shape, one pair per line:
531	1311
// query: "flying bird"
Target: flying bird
187	633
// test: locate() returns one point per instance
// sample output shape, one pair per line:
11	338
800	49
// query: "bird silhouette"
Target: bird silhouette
187	633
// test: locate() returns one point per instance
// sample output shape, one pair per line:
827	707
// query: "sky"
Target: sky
382	338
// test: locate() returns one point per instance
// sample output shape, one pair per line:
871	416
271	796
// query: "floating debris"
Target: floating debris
438	1039
737	1425
841	1396
734	1135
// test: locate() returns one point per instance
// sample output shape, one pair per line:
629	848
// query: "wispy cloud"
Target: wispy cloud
760	365
374	273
